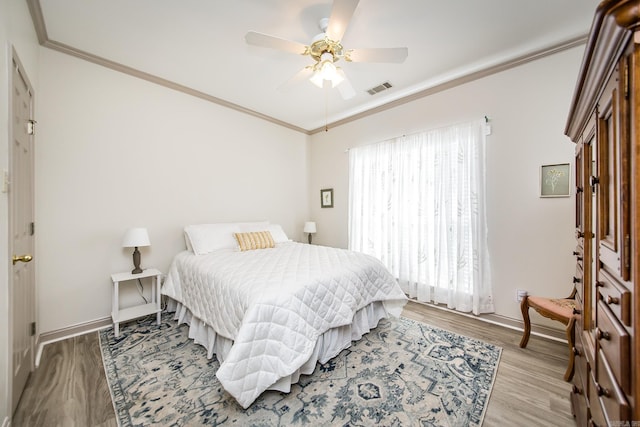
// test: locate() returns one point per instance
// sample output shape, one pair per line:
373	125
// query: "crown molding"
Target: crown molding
70	50
43	38
521	60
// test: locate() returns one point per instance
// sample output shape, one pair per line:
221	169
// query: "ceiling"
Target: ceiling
198	46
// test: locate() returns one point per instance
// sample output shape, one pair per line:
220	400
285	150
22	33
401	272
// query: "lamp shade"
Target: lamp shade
310	227
326	70
136	237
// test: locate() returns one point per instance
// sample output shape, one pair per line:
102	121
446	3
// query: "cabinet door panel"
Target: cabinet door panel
625	168
585	225
580	192
608	226
613	175
608	176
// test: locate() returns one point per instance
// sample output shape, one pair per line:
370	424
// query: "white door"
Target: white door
21	214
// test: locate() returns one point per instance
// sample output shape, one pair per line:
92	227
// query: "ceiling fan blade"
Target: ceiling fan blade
341	13
346	90
301	75
265	40
382	54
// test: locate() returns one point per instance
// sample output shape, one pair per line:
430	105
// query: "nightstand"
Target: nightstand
122	315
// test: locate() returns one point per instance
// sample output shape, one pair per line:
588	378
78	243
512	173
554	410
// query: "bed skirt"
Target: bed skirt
328	345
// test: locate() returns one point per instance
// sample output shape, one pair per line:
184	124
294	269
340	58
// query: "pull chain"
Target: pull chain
326	107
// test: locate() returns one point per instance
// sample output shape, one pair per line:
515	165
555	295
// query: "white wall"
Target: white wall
116	151
16	32
530	238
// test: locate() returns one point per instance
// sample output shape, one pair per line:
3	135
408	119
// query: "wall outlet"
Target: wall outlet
520	294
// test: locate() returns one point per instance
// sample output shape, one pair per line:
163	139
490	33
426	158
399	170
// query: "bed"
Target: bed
270	313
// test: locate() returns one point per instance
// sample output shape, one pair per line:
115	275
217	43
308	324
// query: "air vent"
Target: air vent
379	88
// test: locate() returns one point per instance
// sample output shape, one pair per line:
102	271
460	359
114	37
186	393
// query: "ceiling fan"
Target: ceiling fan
326	49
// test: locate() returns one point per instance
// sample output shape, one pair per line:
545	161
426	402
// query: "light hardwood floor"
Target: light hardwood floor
70	388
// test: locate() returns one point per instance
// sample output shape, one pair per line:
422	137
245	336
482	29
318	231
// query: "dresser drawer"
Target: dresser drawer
578	398
579	328
595	409
579	254
614	403
578	279
612	338
580	362
616	296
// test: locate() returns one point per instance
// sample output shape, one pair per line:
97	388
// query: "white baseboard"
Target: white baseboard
518	325
508	322
98	324
70	332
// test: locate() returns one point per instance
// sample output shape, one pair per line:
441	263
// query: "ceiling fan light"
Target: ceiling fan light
328	70
325	69
317	79
338	77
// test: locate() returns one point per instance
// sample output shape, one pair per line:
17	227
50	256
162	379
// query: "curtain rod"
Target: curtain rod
486	121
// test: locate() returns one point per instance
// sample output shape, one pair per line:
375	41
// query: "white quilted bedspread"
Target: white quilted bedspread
275	303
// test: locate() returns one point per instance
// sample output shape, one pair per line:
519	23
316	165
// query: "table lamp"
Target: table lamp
135	238
310	227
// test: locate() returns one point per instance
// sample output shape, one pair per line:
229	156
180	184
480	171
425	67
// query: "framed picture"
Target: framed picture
555	179
326	198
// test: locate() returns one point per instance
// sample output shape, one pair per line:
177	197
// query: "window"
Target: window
418	204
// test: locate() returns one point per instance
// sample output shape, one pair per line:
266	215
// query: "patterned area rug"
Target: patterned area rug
403	373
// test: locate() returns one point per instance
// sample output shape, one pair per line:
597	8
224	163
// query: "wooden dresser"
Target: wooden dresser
604	122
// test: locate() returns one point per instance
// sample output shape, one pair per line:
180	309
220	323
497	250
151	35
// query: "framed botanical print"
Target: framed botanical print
326	198
555	179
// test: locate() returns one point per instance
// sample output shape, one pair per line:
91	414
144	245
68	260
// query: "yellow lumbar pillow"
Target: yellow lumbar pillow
254	240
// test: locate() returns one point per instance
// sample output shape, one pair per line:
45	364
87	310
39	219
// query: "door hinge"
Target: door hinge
5	181
594	181
33	329
31	127
32	228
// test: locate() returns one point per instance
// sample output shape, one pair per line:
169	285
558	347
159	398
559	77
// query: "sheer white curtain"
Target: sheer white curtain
418	204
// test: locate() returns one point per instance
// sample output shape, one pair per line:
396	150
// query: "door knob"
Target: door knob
22	258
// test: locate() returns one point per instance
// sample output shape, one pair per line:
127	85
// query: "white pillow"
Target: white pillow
247	227
278	234
187	241
206	238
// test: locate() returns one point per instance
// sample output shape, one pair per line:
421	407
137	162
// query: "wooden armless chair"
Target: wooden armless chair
562	310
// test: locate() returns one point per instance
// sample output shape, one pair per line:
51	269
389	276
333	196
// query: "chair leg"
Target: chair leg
572	357
524	307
